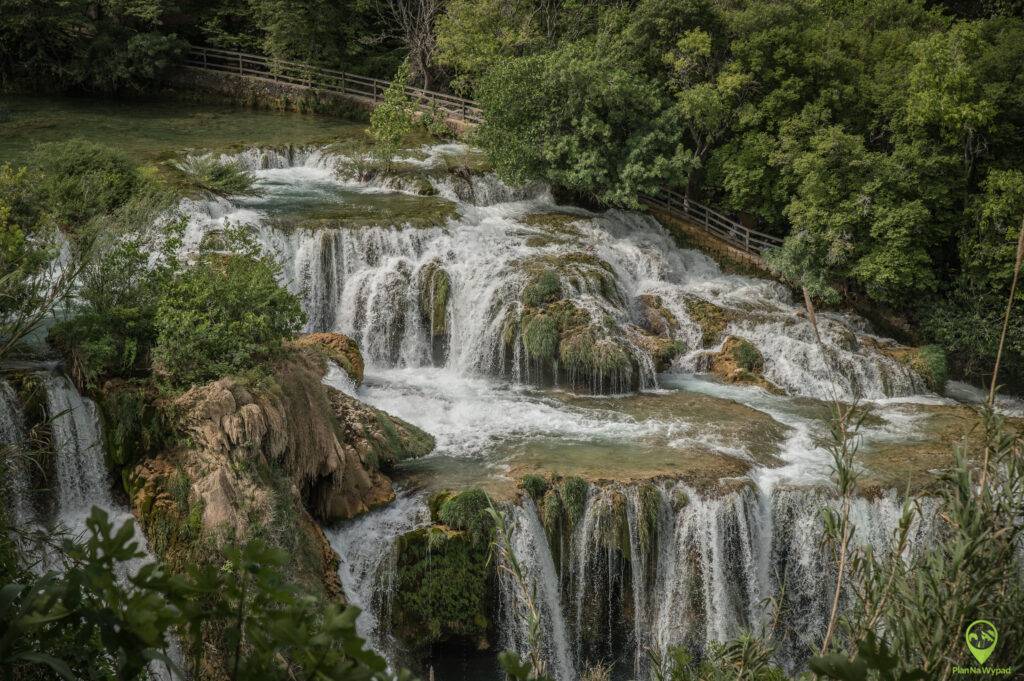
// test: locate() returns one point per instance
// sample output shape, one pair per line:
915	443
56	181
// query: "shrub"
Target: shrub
223	315
467	511
930	362
81	180
392	120
208	173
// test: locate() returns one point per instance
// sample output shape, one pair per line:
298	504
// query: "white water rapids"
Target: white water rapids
712	560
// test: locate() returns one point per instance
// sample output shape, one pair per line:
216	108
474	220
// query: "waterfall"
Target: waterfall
374	283
530	546
702	571
16	486
78	447
366	549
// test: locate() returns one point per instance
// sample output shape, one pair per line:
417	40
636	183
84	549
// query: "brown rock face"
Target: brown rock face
740	362
337	347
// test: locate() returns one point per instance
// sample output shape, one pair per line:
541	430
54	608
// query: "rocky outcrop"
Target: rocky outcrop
338	348
740	362
270	459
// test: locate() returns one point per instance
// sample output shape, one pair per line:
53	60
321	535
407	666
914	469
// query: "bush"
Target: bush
930	362
467	511
208	173
81	180
223	315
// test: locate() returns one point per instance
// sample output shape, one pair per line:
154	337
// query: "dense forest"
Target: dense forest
883	139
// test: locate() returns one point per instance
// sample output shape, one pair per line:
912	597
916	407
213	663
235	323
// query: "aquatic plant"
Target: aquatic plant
535	486
544	287
222	178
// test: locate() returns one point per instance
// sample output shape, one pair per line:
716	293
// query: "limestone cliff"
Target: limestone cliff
269	458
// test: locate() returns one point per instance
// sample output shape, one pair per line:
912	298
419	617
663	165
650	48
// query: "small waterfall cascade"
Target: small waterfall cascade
366	549
620	278
81	473
660	565
16	482
529	543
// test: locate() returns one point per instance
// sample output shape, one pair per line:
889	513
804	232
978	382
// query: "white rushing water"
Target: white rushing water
366	550
634	575
366	282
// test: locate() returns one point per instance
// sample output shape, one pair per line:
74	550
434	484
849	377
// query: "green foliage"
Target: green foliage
209	174
82	180
88	622
535	486
581	117
108	46
574	491
930	362
27	242
222	315
544	287
392	119
541	336
467	511
747	356
443	586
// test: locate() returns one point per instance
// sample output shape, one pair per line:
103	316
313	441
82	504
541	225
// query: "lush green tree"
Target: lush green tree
392	120
80	180
612	134
223	314
107	46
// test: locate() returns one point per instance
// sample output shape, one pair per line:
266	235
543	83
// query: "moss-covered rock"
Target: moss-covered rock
338	348
655	317
740	362
434	289
445	580
712	319
931	364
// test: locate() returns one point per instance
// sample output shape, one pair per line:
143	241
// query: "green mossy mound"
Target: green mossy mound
712	319
434	289
739	361
563	343
401	212
445	581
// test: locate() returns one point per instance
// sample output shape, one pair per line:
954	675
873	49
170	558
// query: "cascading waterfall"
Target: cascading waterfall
81	474
529	544
701	572
370	282
16	482
437	308
366	550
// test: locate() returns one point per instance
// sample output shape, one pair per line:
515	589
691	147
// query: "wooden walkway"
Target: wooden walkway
324	80
719	225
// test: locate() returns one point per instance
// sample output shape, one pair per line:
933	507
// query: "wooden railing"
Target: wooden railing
325	80
724	227
340	82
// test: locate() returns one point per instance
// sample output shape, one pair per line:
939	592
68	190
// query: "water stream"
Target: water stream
649	565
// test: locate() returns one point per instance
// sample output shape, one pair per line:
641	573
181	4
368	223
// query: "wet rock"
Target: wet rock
339	348
740	362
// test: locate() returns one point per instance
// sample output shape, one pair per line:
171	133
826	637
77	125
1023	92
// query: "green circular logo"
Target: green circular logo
981	639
